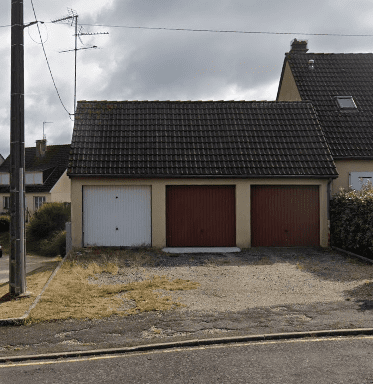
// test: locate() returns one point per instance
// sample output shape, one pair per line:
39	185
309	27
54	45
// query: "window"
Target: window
6	202
34	178
346	102
38	202
358	179
4	178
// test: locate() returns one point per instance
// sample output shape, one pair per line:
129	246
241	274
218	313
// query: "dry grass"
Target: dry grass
71	295
35	281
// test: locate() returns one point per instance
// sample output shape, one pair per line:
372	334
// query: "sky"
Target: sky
158	64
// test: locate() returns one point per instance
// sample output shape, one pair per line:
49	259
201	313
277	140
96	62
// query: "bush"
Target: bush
4	223
54	245
351	220
48	219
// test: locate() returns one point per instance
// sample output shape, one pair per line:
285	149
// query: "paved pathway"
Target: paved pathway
32	263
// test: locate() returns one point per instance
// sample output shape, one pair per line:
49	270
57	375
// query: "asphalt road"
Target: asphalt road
329	360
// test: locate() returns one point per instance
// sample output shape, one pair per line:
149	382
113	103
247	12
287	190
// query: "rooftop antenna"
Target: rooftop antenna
72	19
46	122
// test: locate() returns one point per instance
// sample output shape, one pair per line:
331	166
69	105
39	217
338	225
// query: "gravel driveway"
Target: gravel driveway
255	292
259	277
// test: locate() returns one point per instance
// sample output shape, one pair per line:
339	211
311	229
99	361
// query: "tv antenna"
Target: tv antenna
72	19
46	122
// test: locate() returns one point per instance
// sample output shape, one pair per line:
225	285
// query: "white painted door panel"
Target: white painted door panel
116	215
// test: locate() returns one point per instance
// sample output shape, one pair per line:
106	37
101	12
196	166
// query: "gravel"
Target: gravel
253	278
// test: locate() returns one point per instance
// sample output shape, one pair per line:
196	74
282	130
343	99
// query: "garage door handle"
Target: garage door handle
116	228
286	230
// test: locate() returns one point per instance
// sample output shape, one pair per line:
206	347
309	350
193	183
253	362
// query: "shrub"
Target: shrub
54	245
4	223
351	220
48	219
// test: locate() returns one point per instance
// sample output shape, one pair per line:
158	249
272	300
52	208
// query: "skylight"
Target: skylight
346	102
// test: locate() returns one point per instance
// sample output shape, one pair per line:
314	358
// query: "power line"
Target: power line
46	58
228	31
219	31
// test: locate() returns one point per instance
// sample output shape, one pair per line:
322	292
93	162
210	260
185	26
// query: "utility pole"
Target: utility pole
17	262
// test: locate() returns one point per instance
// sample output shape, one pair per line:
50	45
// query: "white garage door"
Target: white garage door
116	216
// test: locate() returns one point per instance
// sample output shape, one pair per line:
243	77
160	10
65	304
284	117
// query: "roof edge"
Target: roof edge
205	176
282	76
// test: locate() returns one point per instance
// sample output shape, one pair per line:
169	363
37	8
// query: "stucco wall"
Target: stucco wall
158	204
29	199
61	192
288	90
344	167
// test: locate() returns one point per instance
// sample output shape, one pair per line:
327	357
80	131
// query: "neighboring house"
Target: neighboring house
340	87
45	176
194	173
1	159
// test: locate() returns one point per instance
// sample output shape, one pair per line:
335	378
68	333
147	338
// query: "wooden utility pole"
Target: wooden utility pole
17	262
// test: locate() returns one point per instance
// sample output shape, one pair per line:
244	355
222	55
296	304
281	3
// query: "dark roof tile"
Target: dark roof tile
349	133
205	139
53	165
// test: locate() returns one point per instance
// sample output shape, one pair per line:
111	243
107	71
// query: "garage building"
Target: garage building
199	173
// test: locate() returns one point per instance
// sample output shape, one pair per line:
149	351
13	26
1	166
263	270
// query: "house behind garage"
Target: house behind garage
199	173
45	177
340	87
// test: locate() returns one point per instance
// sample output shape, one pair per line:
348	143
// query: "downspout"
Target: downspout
328	208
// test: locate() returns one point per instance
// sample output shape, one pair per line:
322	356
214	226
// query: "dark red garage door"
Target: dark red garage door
285	216
200	216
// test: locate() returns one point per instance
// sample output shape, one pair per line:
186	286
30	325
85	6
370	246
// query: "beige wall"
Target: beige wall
344	167
61	192
29	200
243	225
288	90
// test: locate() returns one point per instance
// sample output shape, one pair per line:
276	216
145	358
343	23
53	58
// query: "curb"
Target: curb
191	343
21	320
352	254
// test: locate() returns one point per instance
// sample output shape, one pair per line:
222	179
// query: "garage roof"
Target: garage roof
198	139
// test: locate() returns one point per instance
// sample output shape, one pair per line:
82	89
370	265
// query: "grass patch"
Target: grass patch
35	281
71	295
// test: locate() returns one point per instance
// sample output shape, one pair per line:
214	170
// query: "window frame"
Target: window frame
353	105
6	199
37	203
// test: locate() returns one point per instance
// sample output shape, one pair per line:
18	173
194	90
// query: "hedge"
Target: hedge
351	220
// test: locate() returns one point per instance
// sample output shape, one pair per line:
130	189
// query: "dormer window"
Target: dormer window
4	178
34	178
346	102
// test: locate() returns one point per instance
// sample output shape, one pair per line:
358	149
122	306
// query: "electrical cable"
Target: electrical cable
228	31
46	58
218	31
28	30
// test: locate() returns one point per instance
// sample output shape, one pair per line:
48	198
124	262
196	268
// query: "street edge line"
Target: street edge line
191	343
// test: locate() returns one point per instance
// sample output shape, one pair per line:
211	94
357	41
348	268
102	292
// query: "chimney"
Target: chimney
299	46
41	147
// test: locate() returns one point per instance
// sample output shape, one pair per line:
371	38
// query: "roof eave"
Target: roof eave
205	176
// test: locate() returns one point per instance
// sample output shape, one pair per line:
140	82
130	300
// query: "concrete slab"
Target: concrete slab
201	250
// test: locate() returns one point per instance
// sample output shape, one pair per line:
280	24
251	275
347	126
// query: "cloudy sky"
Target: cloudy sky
148	64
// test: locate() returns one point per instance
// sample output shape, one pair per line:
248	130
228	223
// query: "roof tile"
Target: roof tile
215	138
349	133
